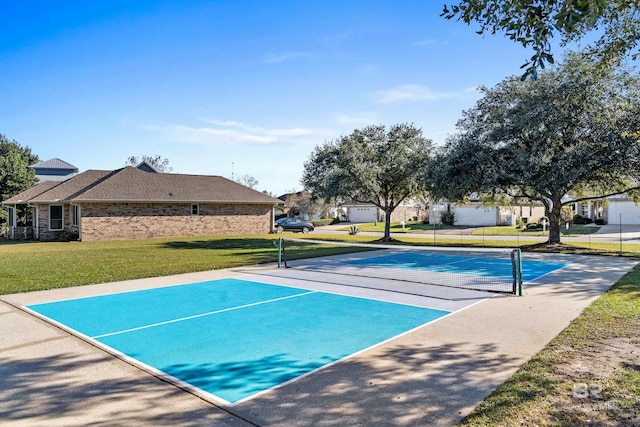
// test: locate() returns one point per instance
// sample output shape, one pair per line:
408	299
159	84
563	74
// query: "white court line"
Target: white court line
201	315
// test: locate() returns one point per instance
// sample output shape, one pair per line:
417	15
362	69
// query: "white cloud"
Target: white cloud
274	58
413	92
358	119
221	132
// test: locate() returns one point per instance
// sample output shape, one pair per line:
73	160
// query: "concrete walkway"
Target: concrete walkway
431	376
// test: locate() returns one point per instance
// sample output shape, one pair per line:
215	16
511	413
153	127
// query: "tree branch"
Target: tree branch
604	196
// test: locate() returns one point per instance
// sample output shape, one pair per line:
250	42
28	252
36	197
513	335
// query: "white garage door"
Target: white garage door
629	211
474	216
365	214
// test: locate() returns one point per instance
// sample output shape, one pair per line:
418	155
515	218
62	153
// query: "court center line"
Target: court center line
202	315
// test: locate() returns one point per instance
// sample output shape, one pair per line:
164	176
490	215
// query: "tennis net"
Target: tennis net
486	269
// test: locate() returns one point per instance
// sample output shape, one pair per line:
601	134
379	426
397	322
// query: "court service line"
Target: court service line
166	322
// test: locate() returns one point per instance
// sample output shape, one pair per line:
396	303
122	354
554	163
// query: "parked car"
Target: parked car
293	224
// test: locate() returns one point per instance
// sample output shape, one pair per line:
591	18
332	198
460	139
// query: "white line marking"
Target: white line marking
201	315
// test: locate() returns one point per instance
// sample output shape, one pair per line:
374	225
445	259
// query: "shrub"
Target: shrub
447	218
67	236
323	221
600	221
579	219
353	230
534	226
519	223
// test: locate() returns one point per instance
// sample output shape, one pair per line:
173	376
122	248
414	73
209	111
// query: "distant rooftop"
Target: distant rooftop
55	164
54	170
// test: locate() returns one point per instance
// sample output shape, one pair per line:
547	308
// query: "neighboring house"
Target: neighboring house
54	170
130	203
475	213
409	210
361	212
290	203
621	210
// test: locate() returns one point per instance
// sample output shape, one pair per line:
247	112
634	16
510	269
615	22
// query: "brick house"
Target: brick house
131	203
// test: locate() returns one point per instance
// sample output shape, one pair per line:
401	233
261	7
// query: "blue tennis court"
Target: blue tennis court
232	338
498	268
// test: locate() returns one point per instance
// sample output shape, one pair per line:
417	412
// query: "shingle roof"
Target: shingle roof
31	192
54	164
133	185
72	187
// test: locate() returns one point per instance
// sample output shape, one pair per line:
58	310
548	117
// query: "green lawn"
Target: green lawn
35	266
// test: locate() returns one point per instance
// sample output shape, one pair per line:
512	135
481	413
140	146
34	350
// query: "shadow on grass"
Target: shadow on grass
230	243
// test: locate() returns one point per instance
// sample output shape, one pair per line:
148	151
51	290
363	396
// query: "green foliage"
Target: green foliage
600	221
353	230
67	236
541	141
536	23
447	218
534	226
371	165
15	176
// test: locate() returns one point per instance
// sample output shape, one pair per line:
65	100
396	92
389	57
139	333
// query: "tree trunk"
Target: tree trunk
554	221
387	225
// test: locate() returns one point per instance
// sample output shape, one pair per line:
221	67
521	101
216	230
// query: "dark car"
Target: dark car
293	224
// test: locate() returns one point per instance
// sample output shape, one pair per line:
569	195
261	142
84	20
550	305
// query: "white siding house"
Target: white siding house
623	209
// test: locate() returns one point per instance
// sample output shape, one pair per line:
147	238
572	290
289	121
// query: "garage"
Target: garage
362	213
625	210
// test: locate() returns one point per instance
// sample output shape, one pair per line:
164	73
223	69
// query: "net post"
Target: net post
518	276
279	252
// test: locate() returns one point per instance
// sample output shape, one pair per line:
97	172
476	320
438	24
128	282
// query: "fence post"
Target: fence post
279	251
620	233
434	233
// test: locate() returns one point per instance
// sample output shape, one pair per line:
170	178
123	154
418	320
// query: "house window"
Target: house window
11	224
195	210
55	217
75	215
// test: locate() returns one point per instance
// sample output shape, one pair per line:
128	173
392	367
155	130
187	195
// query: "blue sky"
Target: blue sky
242	87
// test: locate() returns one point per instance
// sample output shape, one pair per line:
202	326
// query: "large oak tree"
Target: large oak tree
571	135
534	23
373	165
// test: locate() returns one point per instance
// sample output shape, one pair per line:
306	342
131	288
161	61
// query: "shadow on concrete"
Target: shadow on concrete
401	385
41	391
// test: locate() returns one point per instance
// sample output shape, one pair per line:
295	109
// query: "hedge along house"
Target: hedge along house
130	203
